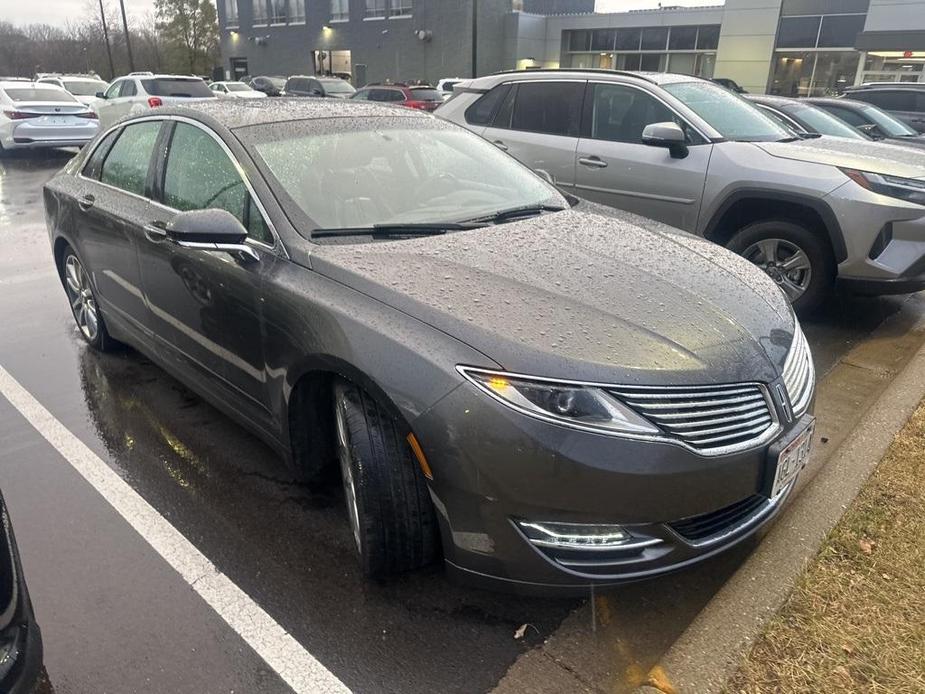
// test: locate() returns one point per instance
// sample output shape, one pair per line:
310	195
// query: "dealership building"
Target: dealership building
789	47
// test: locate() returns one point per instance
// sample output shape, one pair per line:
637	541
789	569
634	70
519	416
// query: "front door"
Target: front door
613	167
205	305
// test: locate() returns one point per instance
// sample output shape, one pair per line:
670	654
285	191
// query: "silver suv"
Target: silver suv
142	91
692	154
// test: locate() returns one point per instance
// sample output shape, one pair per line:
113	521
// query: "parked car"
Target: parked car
83	87
445	86
20	636
870	120
271	86
904	100
805	118
140	92
306	85
42	115
690	153
420	97
383	291
235	90
729	84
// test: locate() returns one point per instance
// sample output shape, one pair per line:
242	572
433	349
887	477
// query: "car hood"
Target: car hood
585	296
876	157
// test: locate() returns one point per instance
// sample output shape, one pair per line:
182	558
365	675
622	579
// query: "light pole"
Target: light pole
112	69
128	41
475	38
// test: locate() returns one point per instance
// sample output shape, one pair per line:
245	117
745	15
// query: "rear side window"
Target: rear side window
95	162
895	100
168	86
552	108
847	115
113	90
483	110
126	165
620	113
128	88
200	176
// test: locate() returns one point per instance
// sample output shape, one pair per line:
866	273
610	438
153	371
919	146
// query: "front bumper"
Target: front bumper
493	465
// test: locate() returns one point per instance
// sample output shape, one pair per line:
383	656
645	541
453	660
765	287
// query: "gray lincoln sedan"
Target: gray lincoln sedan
545	393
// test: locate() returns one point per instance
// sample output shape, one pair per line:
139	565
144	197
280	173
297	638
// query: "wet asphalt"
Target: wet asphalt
117	618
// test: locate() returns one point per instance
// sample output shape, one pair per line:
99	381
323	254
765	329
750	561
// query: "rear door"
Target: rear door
538	123
615	168
205	305
906	104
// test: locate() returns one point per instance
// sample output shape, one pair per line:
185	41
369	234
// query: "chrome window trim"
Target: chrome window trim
766	437
277	245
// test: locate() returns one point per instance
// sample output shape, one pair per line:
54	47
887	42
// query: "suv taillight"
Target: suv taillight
155	101
19	115
420	105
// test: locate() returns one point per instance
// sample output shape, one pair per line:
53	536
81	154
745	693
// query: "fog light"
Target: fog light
574	535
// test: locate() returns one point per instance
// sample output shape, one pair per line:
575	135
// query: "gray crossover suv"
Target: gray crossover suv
693	154
557	393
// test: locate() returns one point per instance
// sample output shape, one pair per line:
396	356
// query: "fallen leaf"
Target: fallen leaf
847	649
866	546
886	577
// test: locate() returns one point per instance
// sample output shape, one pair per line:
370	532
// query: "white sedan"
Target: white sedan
41	115
235	90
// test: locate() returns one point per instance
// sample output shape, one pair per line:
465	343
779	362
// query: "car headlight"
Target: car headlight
571	404
911	189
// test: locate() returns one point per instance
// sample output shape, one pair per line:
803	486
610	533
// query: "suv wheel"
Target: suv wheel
798	260
83	303
388	504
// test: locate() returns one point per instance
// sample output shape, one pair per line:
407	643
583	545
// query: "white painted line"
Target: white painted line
286	656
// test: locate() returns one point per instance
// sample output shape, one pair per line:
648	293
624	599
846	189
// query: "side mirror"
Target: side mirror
871	130
210	230
101	95
668	135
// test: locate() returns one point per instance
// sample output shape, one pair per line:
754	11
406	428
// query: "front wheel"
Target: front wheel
388	504
798	260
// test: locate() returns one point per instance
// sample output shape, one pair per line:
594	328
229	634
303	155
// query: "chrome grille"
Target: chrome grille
709	419
799	374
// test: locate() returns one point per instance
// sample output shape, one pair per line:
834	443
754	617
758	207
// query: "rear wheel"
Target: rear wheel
83	302
796	258
391	515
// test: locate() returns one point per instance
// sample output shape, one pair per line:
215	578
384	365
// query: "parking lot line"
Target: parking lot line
286	656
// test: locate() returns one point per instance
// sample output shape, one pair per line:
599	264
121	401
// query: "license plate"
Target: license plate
792	459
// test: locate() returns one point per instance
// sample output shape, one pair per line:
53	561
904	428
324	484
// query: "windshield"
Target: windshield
84	87
337	87
888	125
372	171
729	114
39	94
174	86
824	122
237	87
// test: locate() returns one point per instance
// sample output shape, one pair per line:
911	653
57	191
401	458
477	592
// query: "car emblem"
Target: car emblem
57	110
784	402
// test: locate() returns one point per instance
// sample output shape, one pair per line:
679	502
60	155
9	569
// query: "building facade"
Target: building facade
788	47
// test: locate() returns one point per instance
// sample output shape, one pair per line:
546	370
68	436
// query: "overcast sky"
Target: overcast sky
59	11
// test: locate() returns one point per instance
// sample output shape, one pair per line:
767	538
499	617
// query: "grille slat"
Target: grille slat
712	419
799	374
708	524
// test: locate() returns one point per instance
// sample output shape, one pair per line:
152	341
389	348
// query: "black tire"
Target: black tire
395	528
82	298
793	235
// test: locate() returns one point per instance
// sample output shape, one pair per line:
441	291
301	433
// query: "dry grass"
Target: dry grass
855	621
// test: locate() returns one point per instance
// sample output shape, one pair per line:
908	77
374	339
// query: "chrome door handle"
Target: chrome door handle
500	145
86	202
593	162
155	233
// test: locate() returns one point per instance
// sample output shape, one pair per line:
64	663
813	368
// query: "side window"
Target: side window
313	85
113	91
200	176
482	111
126	165
95	162
891	100
850	117
361	95
552	108
620	113
128	88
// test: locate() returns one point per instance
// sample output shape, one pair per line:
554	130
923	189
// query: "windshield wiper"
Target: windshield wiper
397	229
513	213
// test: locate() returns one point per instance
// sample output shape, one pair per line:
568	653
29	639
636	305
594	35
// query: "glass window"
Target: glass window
706	62
95	162
400	8
481	112
798	32
113	90
893	127
548	107
375	8
200	176
340	10
84	87
682	38
176	86
628	61
683	63
628	39
503	117
841	30
371	172
729	114
602	39
39	94
708	37
128	88
835	70
279	11
792	74
260	11
363	95
621	113
817	120
231	13
653	62
126	165
888	99
579	40
296	11
846	114
654	38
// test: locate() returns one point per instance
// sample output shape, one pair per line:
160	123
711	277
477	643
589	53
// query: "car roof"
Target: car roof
772	99
658	78
239	113
832	101
892	86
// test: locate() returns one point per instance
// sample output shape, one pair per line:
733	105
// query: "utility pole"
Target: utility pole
475	38
128	41
112	69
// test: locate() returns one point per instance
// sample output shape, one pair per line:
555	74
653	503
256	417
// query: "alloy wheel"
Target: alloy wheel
784	262
346	471
80	294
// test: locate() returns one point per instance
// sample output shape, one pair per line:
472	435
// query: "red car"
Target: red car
423	98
